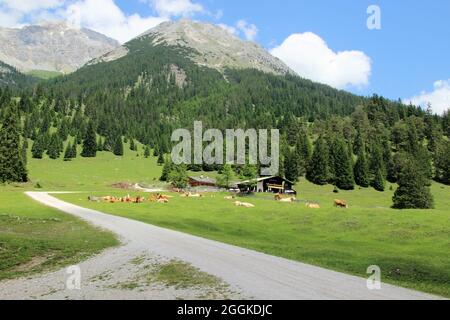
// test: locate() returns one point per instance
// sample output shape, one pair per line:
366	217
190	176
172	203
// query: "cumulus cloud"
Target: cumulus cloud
106	17
249	30
14	12
309	56
438	99
228	28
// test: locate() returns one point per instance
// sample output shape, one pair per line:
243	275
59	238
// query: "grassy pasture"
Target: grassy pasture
410	246
34	238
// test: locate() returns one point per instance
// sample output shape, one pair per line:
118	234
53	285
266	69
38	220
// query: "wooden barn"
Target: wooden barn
274	184
202	182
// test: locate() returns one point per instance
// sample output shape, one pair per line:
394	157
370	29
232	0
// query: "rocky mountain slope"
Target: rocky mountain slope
210	46
52	47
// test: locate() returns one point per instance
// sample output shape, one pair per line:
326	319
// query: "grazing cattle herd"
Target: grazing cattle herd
160	198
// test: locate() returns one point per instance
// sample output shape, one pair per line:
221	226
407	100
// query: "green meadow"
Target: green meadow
34	238
410	246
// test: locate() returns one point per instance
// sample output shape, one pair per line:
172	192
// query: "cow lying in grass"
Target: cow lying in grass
243	204
191	195
280	198
111	199
310	205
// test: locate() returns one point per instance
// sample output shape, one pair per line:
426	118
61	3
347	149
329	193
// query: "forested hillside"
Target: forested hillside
329	136
9	76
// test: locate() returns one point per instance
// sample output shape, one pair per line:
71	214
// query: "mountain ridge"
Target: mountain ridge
52	47
211	46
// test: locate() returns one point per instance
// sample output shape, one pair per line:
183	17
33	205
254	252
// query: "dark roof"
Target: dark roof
203	180
263	179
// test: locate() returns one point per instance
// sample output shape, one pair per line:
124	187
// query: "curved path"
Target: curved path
255	275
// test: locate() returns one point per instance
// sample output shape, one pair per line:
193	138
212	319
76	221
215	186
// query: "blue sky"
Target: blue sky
407	58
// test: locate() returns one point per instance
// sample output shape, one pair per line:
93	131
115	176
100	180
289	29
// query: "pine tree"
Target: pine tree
118	147
168	166
37	149
23	152
378	182
160	159
74	150
412	192
178	176
318	170
53	150
147	152
68	153
291	167
361	171
132	145
442	162
12	167
303	150
225	177
89	142
343	167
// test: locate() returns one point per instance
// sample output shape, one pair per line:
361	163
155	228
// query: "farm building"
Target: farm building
275	184
202	182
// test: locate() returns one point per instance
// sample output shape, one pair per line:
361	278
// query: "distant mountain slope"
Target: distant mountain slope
209	46
52	47
10	77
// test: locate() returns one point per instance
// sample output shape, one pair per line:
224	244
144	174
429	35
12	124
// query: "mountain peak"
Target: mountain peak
52	46
214	46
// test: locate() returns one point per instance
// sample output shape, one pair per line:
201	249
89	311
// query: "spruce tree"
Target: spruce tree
118	147
343	167
178	176
89	142
413	191
291	165
53	150
303	150
37	149
74	150
160	159
378	182
441	159
147	152
361	171
318	170
225	177
23	152
12	167
68	153
168	166
132	145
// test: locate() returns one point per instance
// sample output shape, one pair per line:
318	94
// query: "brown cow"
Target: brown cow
340	204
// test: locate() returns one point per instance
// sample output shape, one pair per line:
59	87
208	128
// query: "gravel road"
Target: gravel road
249	274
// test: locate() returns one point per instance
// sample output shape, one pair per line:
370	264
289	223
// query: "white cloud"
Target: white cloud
14	12
176	8
249	30
439	98
106	17
309	56
228	28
